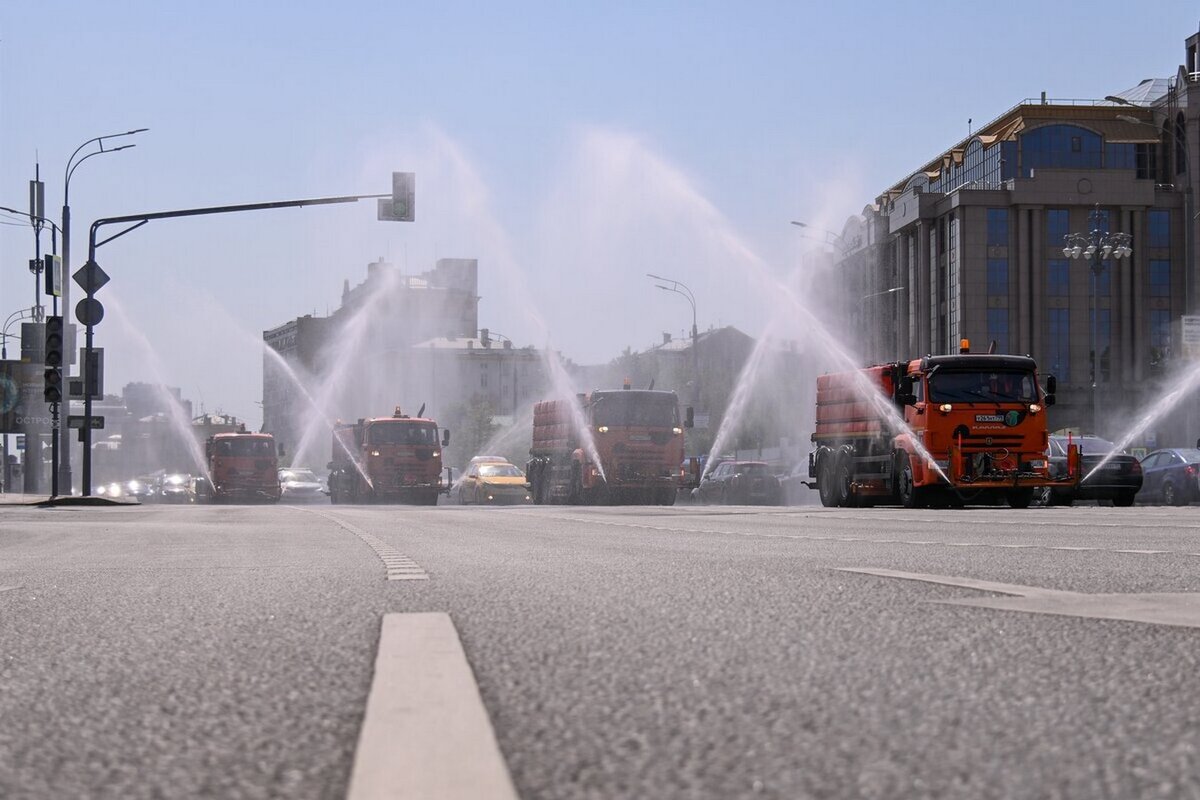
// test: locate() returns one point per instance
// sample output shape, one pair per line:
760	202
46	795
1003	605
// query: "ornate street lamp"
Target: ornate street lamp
1097	245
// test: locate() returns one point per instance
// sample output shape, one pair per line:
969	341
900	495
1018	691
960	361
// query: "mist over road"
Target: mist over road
714	652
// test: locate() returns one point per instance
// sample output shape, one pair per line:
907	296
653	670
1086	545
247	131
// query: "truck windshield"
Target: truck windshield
402	433
991	386
245	448
637	408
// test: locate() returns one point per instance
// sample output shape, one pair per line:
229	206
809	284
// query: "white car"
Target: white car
300	485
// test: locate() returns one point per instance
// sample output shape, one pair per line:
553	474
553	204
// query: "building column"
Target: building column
925	280
1037	282
1138	262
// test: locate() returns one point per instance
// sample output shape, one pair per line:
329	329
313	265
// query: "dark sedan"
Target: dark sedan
1170	476
742	482
1118	480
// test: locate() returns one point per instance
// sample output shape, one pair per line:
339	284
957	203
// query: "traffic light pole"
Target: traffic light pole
135	221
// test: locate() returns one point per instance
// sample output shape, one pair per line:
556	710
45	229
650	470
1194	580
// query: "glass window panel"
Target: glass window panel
997	322
1160	277
997	227
1159	223
997	277
1060	343
1057	226
1058	277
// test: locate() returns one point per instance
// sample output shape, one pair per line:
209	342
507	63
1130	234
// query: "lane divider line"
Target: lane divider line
426	733
398	566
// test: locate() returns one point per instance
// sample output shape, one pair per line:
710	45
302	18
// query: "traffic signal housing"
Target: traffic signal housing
53	359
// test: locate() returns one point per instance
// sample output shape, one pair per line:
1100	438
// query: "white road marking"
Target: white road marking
426	734
8	588
1180	609
399	566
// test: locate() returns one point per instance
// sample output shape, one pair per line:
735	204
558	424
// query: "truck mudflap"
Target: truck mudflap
983	471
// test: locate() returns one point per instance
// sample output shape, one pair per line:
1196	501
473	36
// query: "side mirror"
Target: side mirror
282	452
689	419
904	391
1048	400
446	438
329	466
1051	384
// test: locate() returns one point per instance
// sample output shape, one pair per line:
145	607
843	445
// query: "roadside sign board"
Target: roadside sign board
21	405
1190	336
53	275
77	421
90	277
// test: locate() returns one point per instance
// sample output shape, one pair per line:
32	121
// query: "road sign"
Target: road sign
77	421
90	277
53	267
20	442
1190	336
402	206
93	373
89	311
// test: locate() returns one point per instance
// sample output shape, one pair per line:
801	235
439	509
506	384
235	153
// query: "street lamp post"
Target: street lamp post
63	434
1098	246
682	290
55	416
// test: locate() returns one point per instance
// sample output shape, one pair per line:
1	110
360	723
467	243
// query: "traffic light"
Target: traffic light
52	388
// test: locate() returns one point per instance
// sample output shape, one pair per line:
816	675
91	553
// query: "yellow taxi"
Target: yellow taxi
493	482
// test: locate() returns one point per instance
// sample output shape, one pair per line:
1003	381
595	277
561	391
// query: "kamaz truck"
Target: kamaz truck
242	467
939	430
396	459
602	447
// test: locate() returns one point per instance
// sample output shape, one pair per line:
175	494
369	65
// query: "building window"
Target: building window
997	323
1059	355
997	277
1060	147
1160	277
1147	161
997	227
1160	336
1103	341
1159	224
1058	277
1058	225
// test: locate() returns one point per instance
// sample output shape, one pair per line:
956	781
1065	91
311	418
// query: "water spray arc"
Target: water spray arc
177	415
1188	383
317	413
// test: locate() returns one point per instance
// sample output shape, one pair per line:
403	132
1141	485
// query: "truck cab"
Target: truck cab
243	466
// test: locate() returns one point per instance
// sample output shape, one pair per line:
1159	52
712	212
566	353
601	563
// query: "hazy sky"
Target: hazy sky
570	147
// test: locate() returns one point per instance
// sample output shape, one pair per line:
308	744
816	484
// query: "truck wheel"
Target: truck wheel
910	495
667	498
1020	498
1124	499
825	485
841	481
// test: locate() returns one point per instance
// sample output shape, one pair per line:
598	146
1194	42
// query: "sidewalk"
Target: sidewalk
15	499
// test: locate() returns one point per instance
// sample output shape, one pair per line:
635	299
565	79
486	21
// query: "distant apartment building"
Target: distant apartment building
970	246
395	341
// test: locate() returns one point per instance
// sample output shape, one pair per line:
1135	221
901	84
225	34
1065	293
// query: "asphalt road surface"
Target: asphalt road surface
619	652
